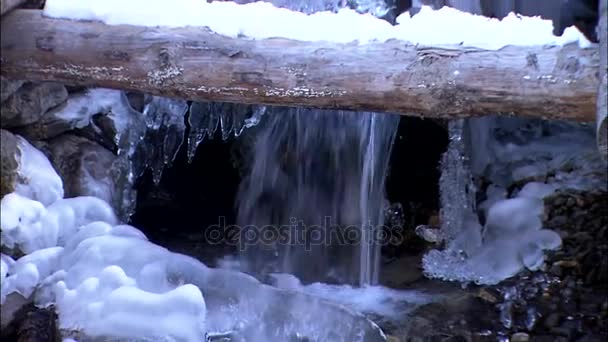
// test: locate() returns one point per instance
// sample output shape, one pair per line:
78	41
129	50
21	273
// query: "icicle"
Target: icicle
227	118
165	134
457	190
198	119
130	128
205	118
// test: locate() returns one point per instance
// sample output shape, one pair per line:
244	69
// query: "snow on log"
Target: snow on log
558	82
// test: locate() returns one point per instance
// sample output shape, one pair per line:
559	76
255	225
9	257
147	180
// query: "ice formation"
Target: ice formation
234	20
206	117
511	239
36	176
106	280
377	300
528	154
166	128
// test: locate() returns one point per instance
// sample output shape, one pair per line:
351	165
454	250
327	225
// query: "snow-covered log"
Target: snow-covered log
558	82
602	99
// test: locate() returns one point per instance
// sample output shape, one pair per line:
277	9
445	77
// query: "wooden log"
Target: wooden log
196	64
7	5
602	99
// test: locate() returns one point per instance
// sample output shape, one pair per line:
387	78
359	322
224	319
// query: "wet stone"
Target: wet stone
30	102
8	87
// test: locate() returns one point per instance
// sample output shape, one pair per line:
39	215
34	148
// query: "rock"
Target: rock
556	270
13	303
488	295
28	104
9	157
75	113
552	320
84	165
520	337
8	87
27	171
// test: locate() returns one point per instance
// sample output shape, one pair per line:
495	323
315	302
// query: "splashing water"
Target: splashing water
311	202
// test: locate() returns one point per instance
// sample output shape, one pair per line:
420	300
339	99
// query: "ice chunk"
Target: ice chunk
468	240
69	214
21	224
6	263
39	180
513	216
165	119
545	239
111	305
27	272
512	239
532	256
131	312
537	190
494	193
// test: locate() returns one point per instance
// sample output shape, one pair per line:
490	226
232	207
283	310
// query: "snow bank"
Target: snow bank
261	20
105	279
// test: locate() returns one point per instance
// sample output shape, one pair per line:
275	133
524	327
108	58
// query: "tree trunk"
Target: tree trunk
196	64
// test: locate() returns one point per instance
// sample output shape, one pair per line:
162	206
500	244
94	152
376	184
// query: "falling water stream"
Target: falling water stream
312	200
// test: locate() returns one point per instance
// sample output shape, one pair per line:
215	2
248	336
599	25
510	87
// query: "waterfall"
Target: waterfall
312	198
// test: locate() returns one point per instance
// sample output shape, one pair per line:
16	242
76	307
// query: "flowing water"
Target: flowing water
312	199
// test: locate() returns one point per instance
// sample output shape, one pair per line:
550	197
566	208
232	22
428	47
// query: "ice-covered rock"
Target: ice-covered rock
9	161
36	177
8	87
75	113
30	102
85	167
26	170
29	271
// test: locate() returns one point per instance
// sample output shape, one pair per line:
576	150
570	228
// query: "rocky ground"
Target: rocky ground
567	301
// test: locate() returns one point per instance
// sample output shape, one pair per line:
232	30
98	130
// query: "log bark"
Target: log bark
196	64
7	5
602	99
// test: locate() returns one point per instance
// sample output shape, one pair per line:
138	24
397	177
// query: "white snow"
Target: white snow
105	278
37	178
261	20
29	226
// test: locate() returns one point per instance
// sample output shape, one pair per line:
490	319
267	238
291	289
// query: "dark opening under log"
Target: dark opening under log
196	64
